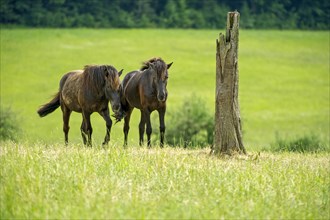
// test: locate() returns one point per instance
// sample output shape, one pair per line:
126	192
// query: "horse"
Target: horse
145	89
87	91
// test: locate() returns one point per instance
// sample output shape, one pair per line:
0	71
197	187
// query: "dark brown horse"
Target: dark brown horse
145	89
87	91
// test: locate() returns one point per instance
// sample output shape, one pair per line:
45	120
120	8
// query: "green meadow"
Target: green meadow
284	77
283	92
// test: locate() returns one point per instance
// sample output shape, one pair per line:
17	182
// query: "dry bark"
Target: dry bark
228	129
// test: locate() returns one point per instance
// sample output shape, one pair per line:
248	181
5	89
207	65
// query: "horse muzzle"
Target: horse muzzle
161	97
116	108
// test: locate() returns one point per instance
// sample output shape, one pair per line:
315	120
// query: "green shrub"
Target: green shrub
191	125
307	143
8	124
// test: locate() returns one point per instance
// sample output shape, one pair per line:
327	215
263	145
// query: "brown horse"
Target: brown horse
145	89
87	91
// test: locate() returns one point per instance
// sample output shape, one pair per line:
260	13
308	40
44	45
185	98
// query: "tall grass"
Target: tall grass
40	181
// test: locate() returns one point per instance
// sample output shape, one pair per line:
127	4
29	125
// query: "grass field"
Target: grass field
284	76
284	91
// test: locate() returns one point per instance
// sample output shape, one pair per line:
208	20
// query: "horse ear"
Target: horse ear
151	65
169	65
120	72
105	70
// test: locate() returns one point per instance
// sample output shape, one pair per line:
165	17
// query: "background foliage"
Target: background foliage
191	124
303	144
256	14
9	124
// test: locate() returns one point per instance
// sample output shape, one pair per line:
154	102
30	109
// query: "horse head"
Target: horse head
160	76
112	85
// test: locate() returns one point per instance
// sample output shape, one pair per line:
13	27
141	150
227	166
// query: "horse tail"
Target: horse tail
50	106
55	102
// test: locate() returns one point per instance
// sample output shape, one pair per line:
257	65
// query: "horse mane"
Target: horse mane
157	62
94	77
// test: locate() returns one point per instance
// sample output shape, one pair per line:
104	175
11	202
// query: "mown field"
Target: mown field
284	91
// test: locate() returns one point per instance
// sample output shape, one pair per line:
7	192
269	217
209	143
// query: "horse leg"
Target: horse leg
142	127
66	117
88	127
149	128
106	116
83	131
161	113
126	125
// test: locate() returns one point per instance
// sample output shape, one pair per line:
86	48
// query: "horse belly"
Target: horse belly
70	100
136	103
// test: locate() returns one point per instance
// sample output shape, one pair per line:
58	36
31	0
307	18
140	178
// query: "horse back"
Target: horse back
66	76
128	77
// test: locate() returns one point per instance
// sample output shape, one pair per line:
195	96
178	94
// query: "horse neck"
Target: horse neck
93	89
148	75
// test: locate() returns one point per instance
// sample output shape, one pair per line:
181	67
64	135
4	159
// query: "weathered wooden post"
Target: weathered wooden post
228	130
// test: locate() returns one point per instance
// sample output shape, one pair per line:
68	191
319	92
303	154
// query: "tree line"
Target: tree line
206	14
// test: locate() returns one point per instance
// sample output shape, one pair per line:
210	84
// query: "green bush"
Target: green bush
8	124
190	125
307	143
